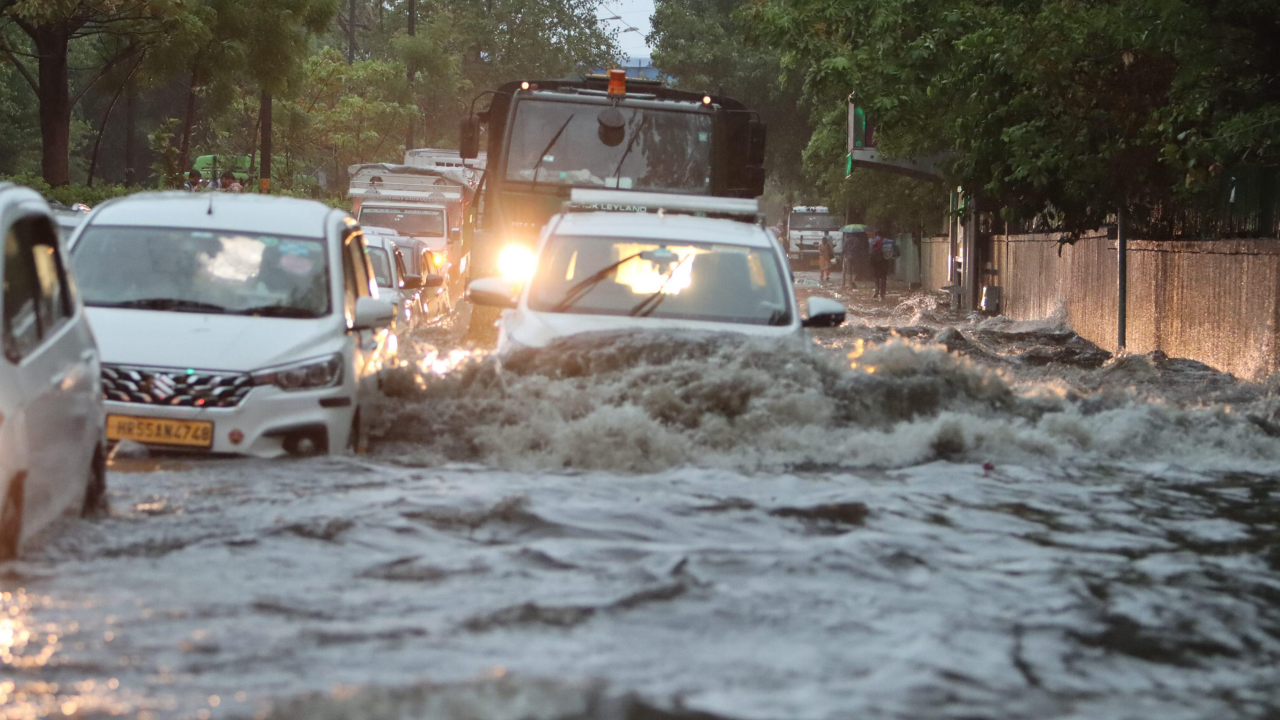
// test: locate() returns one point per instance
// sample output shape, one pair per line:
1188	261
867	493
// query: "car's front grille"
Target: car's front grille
174	387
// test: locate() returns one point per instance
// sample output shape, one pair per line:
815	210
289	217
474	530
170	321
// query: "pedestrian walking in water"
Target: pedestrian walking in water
826	254
848	256
883	252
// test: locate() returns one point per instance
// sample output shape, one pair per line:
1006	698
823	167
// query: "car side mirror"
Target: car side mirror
411	282
493	292
373	314
433	280
469	138
455	233
824	313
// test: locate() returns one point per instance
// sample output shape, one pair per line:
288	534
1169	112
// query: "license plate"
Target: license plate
186	433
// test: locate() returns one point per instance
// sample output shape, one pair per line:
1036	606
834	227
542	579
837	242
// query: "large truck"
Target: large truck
547	137
417	202
806	226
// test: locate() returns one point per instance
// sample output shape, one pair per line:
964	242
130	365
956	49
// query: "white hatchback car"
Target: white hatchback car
660	264
52	449
242	324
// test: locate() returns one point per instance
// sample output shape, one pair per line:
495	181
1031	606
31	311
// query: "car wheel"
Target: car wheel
11	519
95	492
358	441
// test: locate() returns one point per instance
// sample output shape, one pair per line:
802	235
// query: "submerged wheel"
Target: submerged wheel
11	520
95	491
358	441
483	330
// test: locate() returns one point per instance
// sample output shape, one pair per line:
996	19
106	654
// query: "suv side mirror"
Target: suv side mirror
824	313
433	280
373	314
411	282
469	138
493	292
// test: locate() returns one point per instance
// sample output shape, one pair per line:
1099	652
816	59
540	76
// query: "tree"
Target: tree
703	47
1050	104
118	30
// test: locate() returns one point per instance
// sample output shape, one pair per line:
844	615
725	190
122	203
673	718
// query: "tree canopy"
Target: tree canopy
1065	106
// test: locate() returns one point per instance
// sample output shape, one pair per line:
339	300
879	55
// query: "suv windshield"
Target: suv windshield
405	220
678	280
381	266
202	271
652	150
814	221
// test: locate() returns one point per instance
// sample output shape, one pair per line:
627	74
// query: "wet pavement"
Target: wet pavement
925	517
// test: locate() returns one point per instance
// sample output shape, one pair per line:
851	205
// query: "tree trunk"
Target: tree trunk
413	30
351	32
264	185
130	129
55	103
188	122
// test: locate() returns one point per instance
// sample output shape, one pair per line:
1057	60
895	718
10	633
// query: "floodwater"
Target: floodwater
920	517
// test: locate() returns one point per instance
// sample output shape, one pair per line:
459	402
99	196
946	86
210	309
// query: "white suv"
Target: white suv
241	324
52	454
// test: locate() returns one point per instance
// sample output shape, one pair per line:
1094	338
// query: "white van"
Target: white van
52	450
243	324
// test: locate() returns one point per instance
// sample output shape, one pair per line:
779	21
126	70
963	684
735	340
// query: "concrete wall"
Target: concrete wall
1217	302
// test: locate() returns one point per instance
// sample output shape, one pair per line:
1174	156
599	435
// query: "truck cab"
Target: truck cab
547	137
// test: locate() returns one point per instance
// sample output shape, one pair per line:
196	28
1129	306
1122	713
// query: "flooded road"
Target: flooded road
927	517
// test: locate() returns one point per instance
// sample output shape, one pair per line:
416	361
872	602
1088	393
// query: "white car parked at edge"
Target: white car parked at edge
52	450
661	269
242	324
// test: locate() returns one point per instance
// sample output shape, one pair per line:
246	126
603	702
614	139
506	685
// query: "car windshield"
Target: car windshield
381	266
677	280
815	221
405	220
651	150
202	271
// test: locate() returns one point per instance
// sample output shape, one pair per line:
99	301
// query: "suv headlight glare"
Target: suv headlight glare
306	375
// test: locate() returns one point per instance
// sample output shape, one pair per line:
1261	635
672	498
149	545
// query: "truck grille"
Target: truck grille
179	388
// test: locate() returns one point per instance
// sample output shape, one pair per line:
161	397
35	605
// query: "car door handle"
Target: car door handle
58	379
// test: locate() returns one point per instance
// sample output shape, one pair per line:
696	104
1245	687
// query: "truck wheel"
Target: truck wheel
11	519
483	330
95	492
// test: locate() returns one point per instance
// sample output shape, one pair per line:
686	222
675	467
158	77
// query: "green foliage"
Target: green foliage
1050	104
168	166
70	194
702	45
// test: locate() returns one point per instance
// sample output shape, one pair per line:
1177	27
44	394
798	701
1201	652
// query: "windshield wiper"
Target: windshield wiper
653	301
577	292
543	155
282	311
166	304
618	170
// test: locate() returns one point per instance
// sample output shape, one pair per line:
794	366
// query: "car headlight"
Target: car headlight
306	375
516	263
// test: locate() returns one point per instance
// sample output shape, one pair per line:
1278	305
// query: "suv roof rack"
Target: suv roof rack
591	200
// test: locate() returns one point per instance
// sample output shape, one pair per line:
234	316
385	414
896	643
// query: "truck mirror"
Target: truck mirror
469	138
756	132
755	177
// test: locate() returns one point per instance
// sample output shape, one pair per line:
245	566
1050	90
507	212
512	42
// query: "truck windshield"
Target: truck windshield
654	150
405	220
815	221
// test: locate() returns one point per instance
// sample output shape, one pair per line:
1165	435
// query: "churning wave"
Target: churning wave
646	402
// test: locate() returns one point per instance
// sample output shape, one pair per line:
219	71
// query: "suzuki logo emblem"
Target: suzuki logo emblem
162	387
